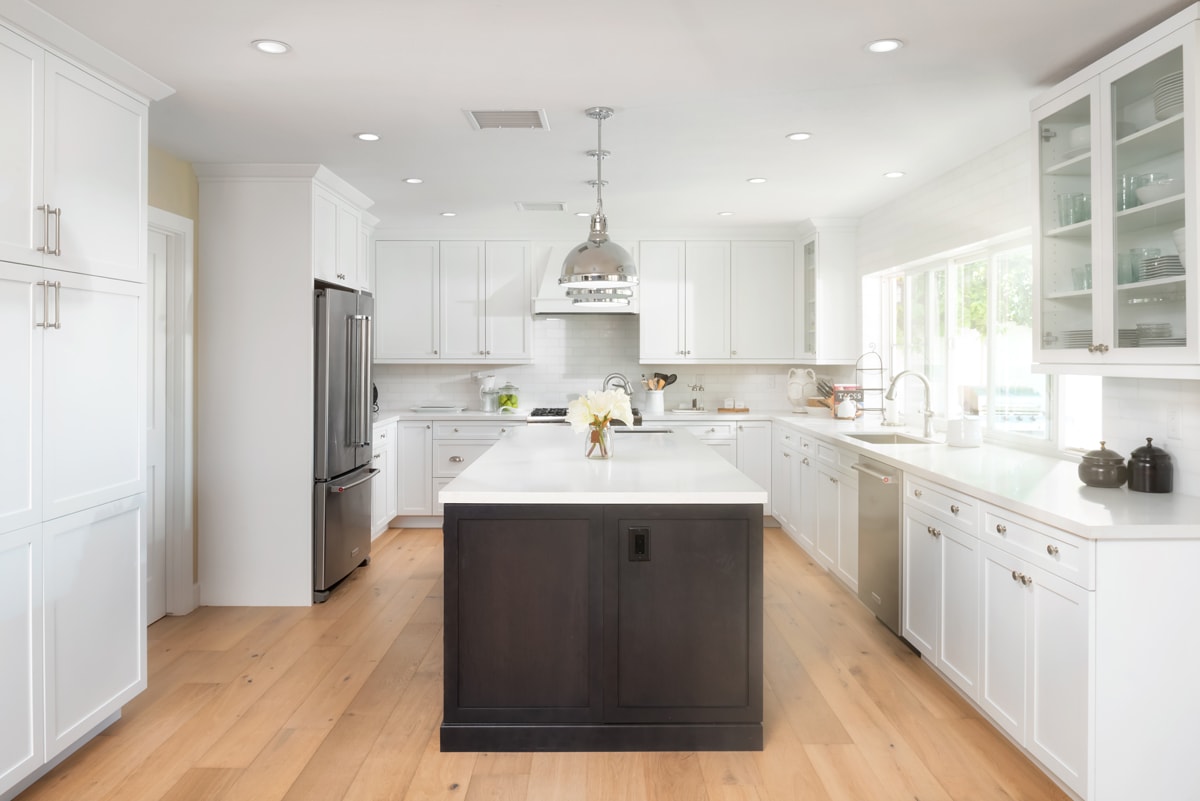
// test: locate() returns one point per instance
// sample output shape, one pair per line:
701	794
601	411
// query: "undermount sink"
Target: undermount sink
889	439
640	430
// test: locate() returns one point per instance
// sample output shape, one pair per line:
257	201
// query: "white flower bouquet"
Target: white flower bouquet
597	409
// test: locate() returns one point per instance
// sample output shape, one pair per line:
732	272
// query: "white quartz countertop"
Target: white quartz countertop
545	464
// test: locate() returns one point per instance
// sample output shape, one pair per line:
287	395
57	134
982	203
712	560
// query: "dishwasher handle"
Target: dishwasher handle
883	477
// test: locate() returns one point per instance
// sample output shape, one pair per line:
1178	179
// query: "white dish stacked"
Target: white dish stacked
1077	338
1158	335
1161	267
1168	96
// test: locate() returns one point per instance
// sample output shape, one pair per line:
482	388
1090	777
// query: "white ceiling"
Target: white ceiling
704	93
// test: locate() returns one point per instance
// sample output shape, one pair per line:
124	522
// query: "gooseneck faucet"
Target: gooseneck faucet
928	413
619	380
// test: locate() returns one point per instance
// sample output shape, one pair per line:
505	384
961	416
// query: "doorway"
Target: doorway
170	582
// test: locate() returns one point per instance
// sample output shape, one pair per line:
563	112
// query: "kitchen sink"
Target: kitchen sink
640	430
889	439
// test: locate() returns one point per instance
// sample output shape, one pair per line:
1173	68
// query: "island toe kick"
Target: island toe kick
603	627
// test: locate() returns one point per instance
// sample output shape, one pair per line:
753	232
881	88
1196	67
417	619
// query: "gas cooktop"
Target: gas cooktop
557	414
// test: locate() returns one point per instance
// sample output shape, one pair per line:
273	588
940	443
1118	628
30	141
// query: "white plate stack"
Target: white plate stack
1076	338
1161	267
1168	96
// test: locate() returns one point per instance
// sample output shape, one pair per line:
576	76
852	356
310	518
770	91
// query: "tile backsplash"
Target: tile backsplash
572	354
1168	411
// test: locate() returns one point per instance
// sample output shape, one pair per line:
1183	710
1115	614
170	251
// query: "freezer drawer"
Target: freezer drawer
341	527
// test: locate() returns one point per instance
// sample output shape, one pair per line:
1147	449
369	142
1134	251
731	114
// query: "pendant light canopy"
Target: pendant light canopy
599	272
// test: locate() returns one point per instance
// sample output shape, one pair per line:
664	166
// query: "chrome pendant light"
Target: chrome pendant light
599	272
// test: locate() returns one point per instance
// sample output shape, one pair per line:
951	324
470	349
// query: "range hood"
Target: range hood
550	297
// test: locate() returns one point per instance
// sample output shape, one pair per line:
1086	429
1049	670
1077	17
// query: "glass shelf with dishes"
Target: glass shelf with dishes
1113	166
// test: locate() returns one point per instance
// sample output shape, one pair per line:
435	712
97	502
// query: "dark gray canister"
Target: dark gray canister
1150	469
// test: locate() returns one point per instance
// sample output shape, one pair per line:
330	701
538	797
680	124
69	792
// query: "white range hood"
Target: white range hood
550	298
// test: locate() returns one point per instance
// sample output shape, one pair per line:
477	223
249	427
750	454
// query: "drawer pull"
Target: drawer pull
504	431
1052	550
1001	528
456	459
954	508
456	431
917	493
832	480
383	435
804	460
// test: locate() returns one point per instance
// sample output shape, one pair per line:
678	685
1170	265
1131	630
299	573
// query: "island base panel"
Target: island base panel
603	737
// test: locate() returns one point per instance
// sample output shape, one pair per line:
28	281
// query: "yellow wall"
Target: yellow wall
172	185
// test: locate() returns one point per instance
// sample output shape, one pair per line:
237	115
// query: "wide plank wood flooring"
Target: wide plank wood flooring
343	701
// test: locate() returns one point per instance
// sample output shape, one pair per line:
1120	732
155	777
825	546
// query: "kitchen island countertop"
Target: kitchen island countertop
545	464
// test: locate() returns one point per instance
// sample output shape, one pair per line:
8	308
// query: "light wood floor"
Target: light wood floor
343	701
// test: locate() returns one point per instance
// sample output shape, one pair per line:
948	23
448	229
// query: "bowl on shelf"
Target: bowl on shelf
1159	190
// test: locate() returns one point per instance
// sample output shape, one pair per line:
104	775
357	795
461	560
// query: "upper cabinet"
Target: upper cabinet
827	326
66	135
707	301
1115	176
460	301
338	241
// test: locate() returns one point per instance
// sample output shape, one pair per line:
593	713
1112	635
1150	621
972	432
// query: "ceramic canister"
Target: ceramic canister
1150	469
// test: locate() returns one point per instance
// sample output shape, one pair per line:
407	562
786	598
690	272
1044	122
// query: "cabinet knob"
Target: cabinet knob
787	456
341	276
427	426
917	493
487	353
687	353
733	353
456	459
1001	528
936	532
804	460
1026	580
832	480
504	431
712	431
953	508
1052	550
456	431
435	353
383	435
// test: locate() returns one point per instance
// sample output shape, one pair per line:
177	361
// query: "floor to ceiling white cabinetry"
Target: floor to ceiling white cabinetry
73	400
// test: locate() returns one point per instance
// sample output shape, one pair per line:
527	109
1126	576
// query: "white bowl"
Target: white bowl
1158	190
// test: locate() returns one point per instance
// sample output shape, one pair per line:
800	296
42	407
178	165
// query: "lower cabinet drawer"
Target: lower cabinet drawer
707	430
451	458
1051	549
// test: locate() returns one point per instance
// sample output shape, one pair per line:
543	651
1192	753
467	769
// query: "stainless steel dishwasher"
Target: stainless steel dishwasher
879	540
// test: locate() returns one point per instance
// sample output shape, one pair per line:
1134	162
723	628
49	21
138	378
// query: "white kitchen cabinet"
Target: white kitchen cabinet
1104	302
95	617
827	333
754	455
453	301
1036	678
762	303
22	743
77	447
455	446
940	607
407	301
720	436
414	454
366	228
837	521
384	485
74	162
782	465
337	236
805	505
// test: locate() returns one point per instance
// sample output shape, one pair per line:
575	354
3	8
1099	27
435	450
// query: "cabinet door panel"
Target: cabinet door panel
325	240
95	171
781	488
806	506
507	295
21	98
462	295
1059	685
21	737
406	301
94	378
1002	688
21	302
754	456
847	533
379	518
958	636
347	244
762	305
706	300
95	617
414	443
922	572
828	518
660	275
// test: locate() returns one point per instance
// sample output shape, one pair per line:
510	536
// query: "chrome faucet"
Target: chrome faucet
928	413
618	379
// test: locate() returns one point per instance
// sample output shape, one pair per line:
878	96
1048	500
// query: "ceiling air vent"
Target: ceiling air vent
508	119
540	205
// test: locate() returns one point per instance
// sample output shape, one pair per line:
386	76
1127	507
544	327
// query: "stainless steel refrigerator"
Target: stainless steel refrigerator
342	463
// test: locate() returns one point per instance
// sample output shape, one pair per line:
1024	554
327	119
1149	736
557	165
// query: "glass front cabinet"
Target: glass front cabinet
1115	174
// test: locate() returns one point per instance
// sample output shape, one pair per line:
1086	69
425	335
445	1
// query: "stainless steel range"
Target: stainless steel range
557	414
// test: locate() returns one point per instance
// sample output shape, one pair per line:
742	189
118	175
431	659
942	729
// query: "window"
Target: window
966	323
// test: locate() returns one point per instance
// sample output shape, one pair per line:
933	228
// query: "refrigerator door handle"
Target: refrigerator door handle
364	380
343	487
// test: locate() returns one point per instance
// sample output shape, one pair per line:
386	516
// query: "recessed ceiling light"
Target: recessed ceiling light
799	136
724	213
449	214
271	46
367	137
756	180
413	181
893	174
885	45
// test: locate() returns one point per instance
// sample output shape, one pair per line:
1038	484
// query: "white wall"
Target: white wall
572	354
990	196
